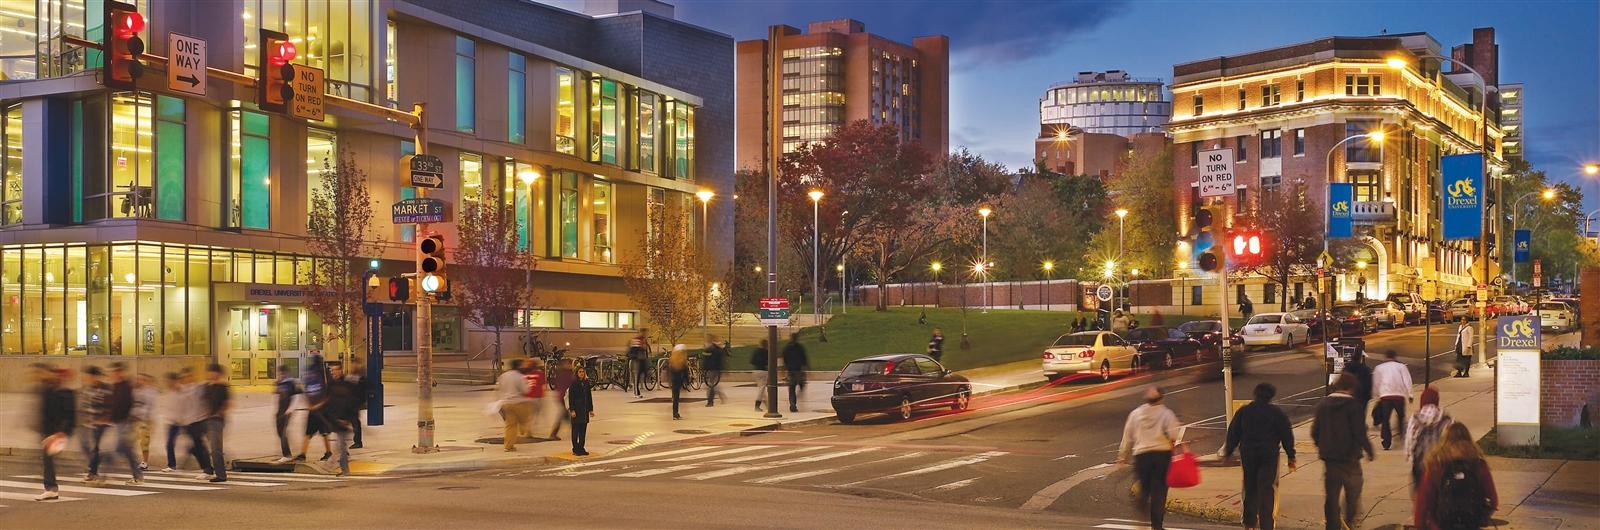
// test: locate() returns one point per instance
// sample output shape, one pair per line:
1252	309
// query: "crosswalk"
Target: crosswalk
821	465
75	488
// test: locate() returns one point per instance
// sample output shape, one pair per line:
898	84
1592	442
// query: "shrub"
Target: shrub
1569	353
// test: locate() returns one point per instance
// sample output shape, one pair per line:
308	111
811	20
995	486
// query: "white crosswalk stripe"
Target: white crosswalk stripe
827	471
793	462
26	487
942	466
740	470
36	486
147	483
713	454
8	495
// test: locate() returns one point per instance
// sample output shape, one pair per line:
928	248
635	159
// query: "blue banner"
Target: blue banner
1340	197
1521	241
1463	196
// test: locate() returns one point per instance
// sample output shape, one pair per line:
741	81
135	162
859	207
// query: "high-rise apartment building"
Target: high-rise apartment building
834	74
1483	55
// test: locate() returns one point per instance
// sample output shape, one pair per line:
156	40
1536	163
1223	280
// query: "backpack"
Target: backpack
1461	501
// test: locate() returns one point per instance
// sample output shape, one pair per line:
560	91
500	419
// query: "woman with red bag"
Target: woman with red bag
1149	436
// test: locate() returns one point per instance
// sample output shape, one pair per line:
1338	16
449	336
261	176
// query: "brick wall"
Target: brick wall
1565	387
1058	294
1589	307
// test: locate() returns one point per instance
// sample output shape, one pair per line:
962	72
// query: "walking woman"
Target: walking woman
1457	491
678	368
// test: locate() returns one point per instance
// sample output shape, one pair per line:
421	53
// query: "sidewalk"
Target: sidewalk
461	421
1533	493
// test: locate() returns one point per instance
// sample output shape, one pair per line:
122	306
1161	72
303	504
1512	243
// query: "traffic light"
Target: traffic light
275	72
430	264
1247	246
399	289
1206	223
122	46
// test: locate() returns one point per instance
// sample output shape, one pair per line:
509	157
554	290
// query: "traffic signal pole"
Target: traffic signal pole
1219	234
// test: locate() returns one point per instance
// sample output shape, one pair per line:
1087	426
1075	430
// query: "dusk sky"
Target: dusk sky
1006	53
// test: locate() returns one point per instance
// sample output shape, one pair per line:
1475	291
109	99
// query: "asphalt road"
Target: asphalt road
1035	458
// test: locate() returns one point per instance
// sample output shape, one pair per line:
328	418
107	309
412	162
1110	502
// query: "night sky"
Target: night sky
1006	53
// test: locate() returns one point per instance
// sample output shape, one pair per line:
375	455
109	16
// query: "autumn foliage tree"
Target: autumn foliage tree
340	239
490	274
1293	229
666	276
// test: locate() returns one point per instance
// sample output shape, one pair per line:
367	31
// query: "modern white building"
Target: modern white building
1110	102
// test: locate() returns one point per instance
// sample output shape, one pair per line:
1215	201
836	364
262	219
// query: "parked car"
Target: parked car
1412	305
1577	312
1438	311
1556	316
898	384
1312	318
1087	352
1505	305
1389	314
1352	320
1460	309
1274	329
1207	332
1163	347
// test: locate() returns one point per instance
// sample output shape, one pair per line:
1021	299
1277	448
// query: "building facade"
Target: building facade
1283	110
171	230
837	73
1071	151
1110	102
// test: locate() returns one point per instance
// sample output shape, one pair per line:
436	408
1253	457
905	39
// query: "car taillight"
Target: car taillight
1210	336
1086	354
1049	355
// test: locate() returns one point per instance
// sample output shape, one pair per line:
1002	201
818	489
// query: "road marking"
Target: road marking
1137	525
818	437
1063	457
29	497
658	471
1047	496
955	485
1182	390
76	489
735	450
738	470
302	477
748	458
146	484
946	465
808	474
191	479
584	472
577	465
1207	420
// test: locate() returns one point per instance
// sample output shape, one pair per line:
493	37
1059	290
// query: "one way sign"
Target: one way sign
186	67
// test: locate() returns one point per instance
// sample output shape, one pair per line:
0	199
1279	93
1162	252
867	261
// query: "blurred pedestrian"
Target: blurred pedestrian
1148	438
712	361
284	389
173	411
678	372
314	382
1463	349
1339	429
1246	307
1257	431
639	360
759	361
342	412
1077	325
533	372
561	377
1457	490
217	399
194	421
120	404
580	408
514	405
357	377
94	414
1424	431
1119	322
795	362
936	344
1361	377
143	415
1391	381
57	414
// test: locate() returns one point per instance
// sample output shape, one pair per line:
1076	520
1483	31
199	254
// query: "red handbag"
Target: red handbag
1185	469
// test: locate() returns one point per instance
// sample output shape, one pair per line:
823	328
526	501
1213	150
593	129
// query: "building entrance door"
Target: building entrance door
263	337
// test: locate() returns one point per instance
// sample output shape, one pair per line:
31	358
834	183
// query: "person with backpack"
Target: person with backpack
1457	490
1257	431
1424	431
639	358
758	362
1340	432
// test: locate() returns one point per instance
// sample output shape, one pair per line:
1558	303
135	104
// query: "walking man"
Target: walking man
1148	437
341	410
121	405
194	422
1340	432
1463	349
678	370
639	357
174	412
759	361
580	408
1257	431
285	389
1391	381
711	364
561	377
1246	307
936	344
57	413
533	371
142	415
796	362
357	377
515	408
318	422
94	409
216	399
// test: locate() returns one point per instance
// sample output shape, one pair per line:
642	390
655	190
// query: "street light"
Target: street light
844	290
1122	216
935	267
705	293
816	244
1516	217
1591	169
984	211
1049	269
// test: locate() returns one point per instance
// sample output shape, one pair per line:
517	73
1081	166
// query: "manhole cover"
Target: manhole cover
458	488
691	431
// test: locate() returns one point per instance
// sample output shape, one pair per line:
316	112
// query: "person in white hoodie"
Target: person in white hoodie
1148	436
1391	384
172	409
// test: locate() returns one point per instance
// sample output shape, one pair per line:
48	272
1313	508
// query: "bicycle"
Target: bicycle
692	379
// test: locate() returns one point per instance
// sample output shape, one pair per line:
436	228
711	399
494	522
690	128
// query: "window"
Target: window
466	85
1269	95
1241	99
600	217
249	196
1299	90
566	111
1362	150
11	174
1194	295
391	69
605	121
517	100
1299	142
1243	152
1242	197
1366	184
1269	182
1272	143
646	124
1363	85
1299	291
322	161
408	232
119	181
680	133
520	179
1269	295
605	320
1194	153
568	221
1238	293
169	157
471	180
336	33
1199	105
539	318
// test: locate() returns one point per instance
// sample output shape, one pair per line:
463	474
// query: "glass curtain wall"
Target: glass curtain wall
517	99
135	171
11	167
471	180
334	35
322	157
466	85
566	111
605	121
645	105
567	222
520	178
249	197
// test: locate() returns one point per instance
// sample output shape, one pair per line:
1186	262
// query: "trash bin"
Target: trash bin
1342	351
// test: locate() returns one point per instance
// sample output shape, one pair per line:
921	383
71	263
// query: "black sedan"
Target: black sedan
1163	347
1207	332
898	384
1313	321
1437	312
1352	320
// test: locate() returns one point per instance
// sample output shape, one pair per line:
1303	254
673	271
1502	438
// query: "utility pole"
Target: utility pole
774	149
424	317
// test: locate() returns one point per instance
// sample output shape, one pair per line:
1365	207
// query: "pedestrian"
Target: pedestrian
357	377
1119	322
94	414
1391	381
143	414
533	372
1340	432
678	371
561	378
759	360
936	344
1424	431
57	414
1246	307
514	405
121	405
194	422
795	362
712	361
1457	490
314	382
639	357
342	411
1148	437
170	408
285	389
1463	349
580	409
216	399
1361	375
1257	431
1077	324
1309	302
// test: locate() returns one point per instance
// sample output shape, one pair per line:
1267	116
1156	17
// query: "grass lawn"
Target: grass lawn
997	337
1554	442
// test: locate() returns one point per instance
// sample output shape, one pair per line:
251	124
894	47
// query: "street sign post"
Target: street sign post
1538	273
1216	173
1103	293
418	211
186	66
1324	260
774	312
308	90
426	171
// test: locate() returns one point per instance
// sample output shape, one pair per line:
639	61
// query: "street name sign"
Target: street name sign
774	312
186	66
1216	173
308	89
418	211
427	171
1516	391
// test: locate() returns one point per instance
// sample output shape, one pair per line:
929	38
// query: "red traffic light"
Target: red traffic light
129	24
281	54
122	46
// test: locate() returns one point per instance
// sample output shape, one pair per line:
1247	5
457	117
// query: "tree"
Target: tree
1293	229
1046	216
1144	188
666	276
491	271
1558	241
340	239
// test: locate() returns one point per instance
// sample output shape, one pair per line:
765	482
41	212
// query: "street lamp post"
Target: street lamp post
1327	219
1516	216
705	226
844	290
984	211
1122	215
935	267
816	245
528	178
1049	268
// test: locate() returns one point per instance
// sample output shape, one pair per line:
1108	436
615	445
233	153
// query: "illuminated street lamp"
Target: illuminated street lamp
705	224
816	245
844	290
984	211
1049	270
1516	216
935	267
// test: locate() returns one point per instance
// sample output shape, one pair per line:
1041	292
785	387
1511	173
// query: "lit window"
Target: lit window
11	174
600	199
605	320
566	112
517	100
471	179
466	85
322	159
1199	105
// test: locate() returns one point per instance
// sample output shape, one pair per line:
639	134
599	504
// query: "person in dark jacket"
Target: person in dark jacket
1363	381
94	413
1340	433
580	408
215	402
795	362
357	375
57	415
936	344
341	410
1457	490
1257	431
758	363
285	389
121	407
712	361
